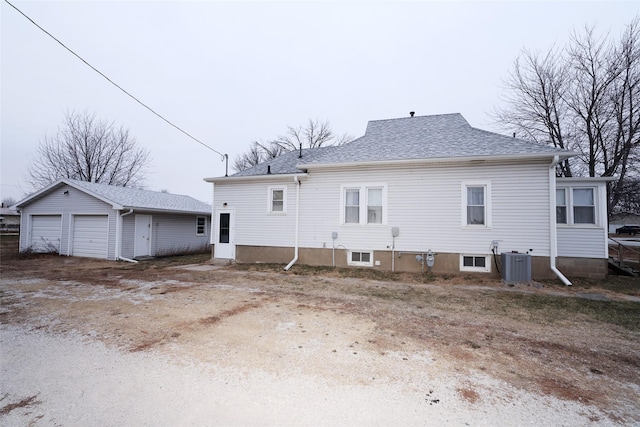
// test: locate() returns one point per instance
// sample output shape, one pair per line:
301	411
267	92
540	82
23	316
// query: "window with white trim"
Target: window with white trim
201	226
477	263
277	200
364	204
476	204
362	259
352	206
561	206
576	206
584	208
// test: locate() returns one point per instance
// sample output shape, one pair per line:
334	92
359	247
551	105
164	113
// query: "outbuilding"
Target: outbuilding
78	218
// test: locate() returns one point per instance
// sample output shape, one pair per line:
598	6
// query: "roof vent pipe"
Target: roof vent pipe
412	113
268	169
300	156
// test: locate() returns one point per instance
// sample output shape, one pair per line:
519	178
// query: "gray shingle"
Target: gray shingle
429	137
444	136
144	199
287	162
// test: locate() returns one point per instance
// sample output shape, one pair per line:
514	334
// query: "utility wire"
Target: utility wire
115	84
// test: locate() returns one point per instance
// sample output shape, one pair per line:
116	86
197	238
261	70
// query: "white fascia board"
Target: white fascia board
471	159
139	209
585	179
271	177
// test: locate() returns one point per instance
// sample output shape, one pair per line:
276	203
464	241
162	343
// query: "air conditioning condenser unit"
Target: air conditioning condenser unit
516	267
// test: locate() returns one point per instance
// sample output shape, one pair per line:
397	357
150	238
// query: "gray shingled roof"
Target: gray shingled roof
429	137
445	136
130	198
286	163
144	199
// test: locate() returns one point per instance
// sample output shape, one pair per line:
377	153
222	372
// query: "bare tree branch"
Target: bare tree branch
316	134
91	150
584	97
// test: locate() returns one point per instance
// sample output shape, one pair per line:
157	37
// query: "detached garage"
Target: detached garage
77	218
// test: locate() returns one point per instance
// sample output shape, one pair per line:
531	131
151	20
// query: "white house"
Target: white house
78	218
430	185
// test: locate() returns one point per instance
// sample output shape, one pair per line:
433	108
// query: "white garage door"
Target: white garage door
90	236
45	233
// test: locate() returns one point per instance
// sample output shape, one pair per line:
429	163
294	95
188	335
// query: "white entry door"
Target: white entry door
142	241
225	247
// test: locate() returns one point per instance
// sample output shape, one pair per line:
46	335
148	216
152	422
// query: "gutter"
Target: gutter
553	230
446	160
295	254
119	238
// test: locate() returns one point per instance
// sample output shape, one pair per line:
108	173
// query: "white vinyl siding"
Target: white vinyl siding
173	233
252	225
583	239
423	202
582	242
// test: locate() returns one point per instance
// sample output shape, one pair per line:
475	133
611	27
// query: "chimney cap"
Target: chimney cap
412	113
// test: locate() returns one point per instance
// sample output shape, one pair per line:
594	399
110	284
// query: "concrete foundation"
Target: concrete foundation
445	263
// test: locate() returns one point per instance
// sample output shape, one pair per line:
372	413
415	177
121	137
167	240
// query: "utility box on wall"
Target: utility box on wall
516	267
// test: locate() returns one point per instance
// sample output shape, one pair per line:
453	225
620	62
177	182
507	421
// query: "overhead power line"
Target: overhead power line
115	84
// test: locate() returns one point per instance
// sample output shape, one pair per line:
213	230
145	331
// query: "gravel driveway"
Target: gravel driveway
224	347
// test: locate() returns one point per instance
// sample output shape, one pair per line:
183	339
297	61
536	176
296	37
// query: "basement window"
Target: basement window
361	259
477	263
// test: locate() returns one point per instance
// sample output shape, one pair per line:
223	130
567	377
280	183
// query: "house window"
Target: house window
363	259
584	209
364	204
277	200
561	206
477	263
201	226
374	206
352	206
476	204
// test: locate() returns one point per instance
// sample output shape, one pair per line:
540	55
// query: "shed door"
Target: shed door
90	236
45	233
142	240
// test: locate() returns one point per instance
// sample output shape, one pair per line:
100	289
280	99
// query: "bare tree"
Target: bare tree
316	134
584	97
90	150
8	201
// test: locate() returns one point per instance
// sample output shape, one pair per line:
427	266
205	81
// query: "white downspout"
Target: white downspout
553	230
295	254
119	238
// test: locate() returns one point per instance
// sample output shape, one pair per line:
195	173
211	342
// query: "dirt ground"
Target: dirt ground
578	344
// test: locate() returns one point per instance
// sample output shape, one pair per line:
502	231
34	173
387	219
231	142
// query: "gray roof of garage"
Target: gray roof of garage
129	198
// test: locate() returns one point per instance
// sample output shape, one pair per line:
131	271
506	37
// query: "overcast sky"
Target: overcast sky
230	73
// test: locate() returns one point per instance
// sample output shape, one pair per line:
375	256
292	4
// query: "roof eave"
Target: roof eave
466	159
171	211
264	177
